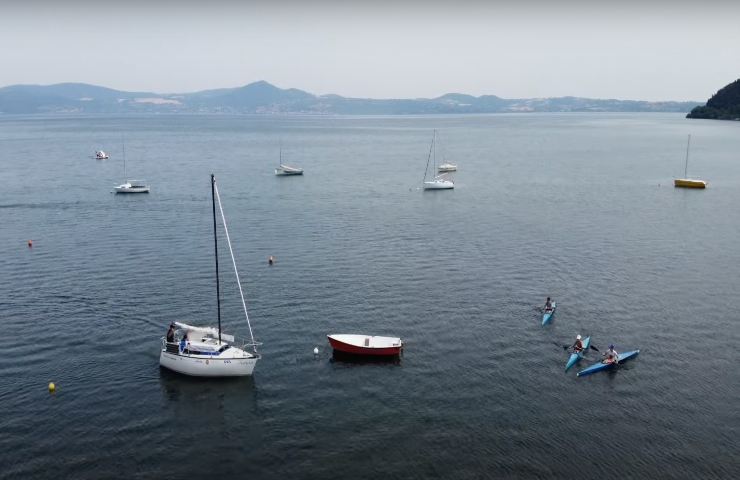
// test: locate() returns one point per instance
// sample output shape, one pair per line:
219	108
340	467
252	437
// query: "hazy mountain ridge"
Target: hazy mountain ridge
263	97
724	105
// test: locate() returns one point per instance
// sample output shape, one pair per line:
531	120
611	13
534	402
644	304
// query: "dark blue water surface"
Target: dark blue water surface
577	206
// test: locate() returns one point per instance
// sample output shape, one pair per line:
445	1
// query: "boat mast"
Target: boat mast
429	157
123	145
215	244
686	167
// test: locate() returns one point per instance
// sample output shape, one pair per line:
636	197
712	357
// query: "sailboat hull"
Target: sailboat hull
203	366
689	183
439	185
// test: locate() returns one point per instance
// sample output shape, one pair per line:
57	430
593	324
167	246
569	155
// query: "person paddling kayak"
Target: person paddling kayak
578	345
611	355
548	305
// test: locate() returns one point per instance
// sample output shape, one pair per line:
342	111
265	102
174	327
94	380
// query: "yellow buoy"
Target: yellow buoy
52	387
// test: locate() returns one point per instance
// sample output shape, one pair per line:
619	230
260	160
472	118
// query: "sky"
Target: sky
624	49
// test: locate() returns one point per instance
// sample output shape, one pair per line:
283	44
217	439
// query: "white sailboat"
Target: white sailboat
285	170
130	186
687	182
101	155
207	351
437	182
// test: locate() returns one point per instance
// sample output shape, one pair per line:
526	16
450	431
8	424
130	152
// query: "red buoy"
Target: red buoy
30	243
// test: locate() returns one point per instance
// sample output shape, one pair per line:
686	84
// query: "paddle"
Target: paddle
593	348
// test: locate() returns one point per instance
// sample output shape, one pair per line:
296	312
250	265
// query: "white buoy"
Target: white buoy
315	350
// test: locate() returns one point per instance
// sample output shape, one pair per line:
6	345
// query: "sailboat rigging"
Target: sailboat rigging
437	182
687	182
208	351
130	186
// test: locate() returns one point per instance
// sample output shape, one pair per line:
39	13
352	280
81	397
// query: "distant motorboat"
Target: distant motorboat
447	167
437	182
688	182
366	344
101	155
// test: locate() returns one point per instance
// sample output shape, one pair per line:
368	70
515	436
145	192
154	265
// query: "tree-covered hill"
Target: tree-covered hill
724	105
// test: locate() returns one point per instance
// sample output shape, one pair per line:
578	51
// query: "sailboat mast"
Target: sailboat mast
123	145
686	167
215	244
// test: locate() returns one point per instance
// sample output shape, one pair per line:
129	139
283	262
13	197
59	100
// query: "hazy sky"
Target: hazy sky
645	50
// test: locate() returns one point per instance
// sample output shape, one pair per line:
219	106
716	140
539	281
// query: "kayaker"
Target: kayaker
578	345
611	355
548	304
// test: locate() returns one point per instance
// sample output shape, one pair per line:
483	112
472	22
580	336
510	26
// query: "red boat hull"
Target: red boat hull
358	350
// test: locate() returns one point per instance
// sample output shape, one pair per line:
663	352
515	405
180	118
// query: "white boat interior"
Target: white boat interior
367	341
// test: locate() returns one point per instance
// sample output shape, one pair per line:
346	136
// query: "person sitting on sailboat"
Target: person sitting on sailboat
611	355
171	333
578	345
548	305
184	342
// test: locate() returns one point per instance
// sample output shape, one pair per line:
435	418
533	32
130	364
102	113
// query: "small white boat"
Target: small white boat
447	167
284	170
207	351
101	155
132	186
437	182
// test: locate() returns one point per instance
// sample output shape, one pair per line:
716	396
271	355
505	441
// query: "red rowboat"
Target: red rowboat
366	344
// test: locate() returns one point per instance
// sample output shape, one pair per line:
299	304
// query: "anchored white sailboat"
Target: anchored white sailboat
437	182
130	186
207	351
285	170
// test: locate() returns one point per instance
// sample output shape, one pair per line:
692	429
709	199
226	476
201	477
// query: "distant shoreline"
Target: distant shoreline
264	98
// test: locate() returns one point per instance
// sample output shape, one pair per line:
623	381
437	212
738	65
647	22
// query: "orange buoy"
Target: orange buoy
271	260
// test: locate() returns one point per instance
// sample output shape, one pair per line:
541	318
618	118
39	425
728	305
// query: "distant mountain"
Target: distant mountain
724	105
262	97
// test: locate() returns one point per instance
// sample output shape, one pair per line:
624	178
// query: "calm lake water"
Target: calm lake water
580	207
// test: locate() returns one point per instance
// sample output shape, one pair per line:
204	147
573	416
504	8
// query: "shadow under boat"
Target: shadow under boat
343	357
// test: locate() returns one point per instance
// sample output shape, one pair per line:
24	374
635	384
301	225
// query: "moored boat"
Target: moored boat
547	316
575	356
208	351
101	155
447	167
132	186
687	182
436	182
366	344
597	367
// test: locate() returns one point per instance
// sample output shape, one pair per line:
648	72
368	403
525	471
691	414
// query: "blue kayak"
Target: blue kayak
548	315
574	357
597	367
